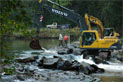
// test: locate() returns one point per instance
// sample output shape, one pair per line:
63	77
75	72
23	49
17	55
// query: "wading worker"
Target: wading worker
66	39
60	40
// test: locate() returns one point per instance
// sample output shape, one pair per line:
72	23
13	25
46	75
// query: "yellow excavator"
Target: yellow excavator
94	42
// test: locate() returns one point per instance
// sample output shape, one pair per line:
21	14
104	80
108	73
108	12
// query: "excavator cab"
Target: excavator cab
89	39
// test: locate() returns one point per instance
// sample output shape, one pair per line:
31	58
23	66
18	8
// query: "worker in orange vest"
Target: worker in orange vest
66	38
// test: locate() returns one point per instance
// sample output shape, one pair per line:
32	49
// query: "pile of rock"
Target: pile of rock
59	63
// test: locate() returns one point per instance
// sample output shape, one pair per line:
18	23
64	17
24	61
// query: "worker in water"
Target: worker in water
66	40
60	40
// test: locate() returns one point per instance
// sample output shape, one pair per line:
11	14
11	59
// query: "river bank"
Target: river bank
45	33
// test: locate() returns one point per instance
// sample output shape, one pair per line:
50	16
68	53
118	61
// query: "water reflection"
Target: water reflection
15	47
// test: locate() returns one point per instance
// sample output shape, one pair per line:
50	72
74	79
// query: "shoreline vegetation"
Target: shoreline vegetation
45	33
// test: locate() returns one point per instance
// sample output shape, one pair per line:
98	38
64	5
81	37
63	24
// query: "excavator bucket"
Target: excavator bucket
34	44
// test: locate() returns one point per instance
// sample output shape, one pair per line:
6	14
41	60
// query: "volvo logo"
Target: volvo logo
59	12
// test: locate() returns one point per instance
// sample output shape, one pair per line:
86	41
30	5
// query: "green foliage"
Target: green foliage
10	66
54	33
10	70
14	16
20	14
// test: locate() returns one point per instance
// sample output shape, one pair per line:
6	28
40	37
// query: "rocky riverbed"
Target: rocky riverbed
58	65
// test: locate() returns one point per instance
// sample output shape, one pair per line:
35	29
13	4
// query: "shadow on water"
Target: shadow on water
18	46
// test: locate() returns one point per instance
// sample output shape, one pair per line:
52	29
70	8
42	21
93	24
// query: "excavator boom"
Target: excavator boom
96	21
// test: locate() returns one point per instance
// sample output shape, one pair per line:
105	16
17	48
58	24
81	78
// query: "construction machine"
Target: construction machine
92	42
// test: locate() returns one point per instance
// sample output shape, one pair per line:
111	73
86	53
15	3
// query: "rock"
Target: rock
95	68
97	60
96	80
84	68
60	65
75	65
8	78
87	68
40	61
117	61
27	59
62	52
100	70
77	52
57	57
38	53
65	51
65	65
121	59
20	77
74	45
50	62
92	69
69	51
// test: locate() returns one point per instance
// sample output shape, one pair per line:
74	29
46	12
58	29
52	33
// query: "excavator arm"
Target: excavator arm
66	13
96	21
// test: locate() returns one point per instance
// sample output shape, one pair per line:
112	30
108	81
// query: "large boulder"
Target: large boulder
75	65
50	62
69	51
99	60
84	68
89	69
65	51
65	65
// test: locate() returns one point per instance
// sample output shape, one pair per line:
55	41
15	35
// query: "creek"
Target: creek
20	48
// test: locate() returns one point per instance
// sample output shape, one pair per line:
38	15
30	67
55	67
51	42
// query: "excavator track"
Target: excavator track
106	55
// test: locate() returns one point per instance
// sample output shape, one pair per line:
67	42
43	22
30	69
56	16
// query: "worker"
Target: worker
89	39
60	40
66	39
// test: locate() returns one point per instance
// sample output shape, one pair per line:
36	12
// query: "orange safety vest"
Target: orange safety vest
65	37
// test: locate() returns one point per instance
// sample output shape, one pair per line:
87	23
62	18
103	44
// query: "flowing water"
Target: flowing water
20	48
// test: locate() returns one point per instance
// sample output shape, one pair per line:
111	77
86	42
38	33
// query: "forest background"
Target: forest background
16	15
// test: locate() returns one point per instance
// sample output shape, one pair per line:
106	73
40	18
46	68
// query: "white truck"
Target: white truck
53	25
